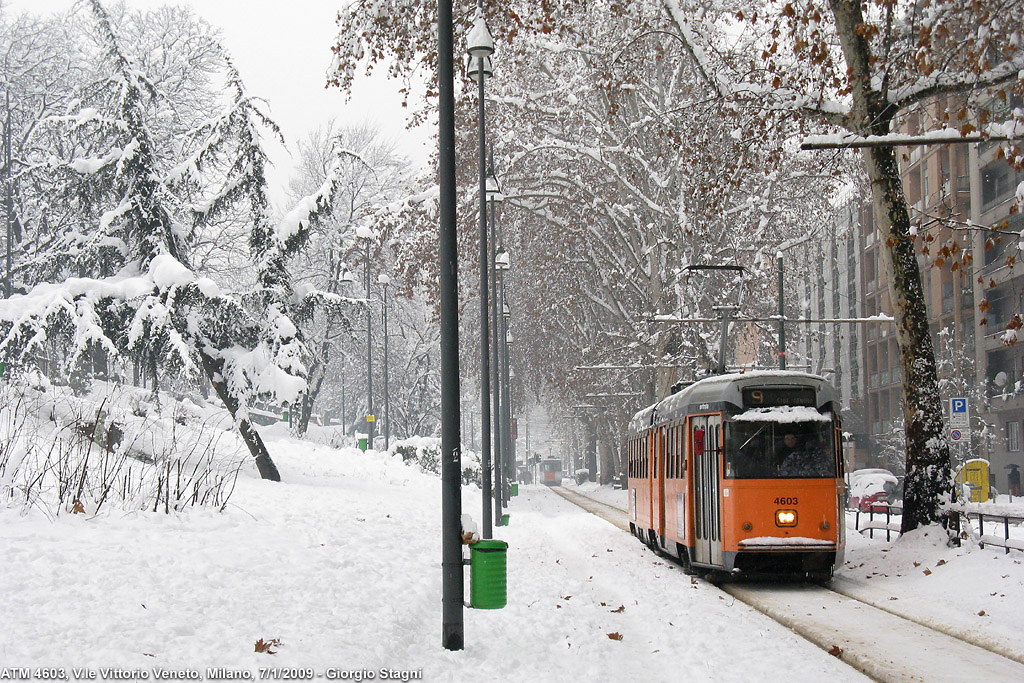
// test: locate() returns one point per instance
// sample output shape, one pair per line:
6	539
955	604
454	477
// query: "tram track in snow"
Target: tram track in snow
878	641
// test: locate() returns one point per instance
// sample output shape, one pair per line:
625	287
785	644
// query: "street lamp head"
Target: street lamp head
501	260
478	42
473	69
346	276
383	279
492	188
506	312
363	232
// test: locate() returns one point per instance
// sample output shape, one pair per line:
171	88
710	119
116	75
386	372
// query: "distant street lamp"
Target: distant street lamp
509	413
501	265
346	278
494	196
480	47
383	280
365	233
510	470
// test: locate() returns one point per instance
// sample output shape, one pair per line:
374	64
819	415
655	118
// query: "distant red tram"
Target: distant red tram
551	472
743	474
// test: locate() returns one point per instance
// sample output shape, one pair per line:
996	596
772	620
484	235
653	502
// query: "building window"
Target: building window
1013	436
995	182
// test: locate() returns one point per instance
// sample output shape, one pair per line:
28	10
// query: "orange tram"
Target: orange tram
741	474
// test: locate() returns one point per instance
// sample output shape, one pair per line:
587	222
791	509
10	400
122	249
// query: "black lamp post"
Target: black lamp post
501	264
383	280
494	196
367	234
346	278
510	443
452	572
479	46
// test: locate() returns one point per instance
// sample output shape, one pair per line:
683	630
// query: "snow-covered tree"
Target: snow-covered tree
140	174
619	172
367	175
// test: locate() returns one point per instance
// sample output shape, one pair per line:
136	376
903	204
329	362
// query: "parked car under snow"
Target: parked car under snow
872	489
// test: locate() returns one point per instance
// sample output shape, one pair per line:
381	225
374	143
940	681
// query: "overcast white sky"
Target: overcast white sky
283	50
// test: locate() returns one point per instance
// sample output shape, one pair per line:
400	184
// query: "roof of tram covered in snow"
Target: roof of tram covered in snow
728	388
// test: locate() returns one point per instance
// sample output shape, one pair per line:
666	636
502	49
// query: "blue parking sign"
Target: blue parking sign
959	415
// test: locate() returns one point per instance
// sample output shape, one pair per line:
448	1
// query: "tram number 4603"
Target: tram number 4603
786	501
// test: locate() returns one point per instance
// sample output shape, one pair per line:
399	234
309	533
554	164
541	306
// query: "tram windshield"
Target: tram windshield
760	449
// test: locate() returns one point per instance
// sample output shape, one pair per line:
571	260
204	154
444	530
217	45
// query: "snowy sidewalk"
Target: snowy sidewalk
341	564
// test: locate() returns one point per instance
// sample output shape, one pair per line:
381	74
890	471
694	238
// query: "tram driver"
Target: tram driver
795	457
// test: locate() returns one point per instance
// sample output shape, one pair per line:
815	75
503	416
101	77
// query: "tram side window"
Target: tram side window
670	456
680	451
647	458
644	458
675	452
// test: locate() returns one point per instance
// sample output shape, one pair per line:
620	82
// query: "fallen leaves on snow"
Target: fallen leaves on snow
264	646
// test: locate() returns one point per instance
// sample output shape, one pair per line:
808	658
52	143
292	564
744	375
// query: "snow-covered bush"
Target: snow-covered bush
426	452
62	453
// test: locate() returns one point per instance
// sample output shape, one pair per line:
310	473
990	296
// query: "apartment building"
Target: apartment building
960	196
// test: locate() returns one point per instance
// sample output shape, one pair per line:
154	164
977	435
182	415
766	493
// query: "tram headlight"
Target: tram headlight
785	518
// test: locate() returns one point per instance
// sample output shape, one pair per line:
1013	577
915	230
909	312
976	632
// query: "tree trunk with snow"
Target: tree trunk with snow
264	463
928	469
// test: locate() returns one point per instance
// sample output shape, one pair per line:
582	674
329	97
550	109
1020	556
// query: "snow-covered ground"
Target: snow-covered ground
967	590
340	563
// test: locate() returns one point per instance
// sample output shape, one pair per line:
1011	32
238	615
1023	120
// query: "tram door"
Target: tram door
658	484
706	447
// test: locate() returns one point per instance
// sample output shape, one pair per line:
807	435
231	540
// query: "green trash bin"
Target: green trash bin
515	489
362	444
487	579
504	520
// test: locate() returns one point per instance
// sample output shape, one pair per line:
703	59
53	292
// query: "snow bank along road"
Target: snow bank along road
883	645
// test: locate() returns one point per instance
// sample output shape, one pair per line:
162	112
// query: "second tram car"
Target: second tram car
741	473
551	472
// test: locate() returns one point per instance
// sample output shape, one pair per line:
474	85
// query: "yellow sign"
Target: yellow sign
974	475
371	418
